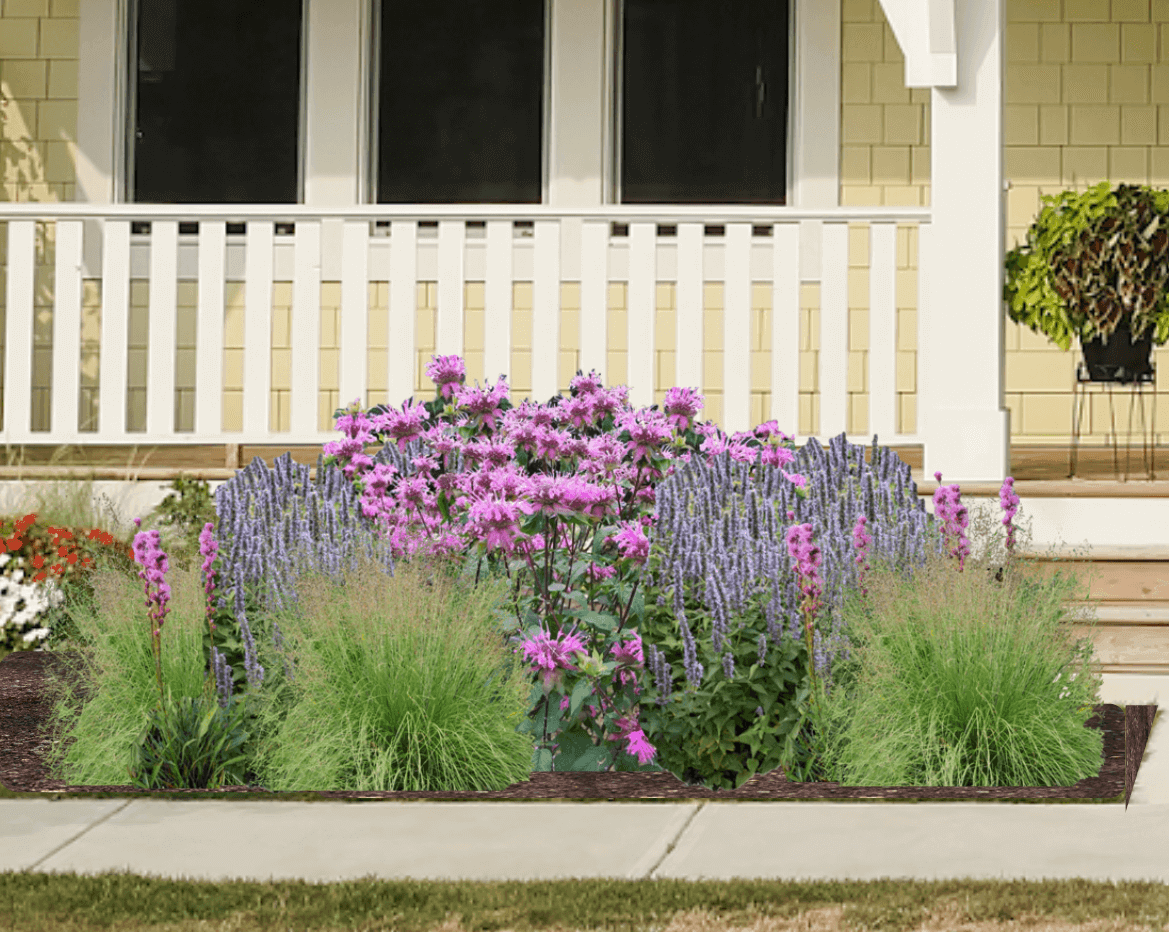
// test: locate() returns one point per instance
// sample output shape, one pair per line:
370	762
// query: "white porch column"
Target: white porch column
961	413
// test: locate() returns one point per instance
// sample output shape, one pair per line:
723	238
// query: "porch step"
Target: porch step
1128	640
1131	616
1113	614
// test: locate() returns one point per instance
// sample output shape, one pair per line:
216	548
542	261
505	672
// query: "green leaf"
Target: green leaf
581	691
637	607
578	749
598	620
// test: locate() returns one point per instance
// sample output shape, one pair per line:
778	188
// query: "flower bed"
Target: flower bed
26	700
460	709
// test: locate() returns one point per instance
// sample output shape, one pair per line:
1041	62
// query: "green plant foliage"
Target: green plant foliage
189	508
189	512
1117	268
191	743
728	729
1091	260
224	634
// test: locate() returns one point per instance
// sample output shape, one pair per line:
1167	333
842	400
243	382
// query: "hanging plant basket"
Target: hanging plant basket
1120	360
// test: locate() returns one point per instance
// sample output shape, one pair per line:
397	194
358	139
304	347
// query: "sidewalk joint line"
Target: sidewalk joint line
84	831
674	842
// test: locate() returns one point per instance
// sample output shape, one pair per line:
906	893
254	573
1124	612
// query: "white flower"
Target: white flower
22	605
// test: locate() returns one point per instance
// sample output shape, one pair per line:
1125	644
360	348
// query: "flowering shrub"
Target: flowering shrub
39	565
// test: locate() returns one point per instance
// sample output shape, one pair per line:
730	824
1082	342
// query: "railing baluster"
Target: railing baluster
497	303
930	373
641	310
594	298
19	322
209	335
305	336
448	334
546	311
404	370
736	355
785	328
688	357
160	378
883	329
113	413
67	330
833	356
257	374
354	339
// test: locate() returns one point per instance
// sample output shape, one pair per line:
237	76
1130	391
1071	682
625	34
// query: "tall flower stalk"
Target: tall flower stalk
148	553
807	562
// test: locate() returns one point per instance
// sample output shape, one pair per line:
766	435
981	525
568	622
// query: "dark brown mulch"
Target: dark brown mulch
1138	722
26	704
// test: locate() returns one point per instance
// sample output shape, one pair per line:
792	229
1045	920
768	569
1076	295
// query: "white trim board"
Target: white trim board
1117	526
1084	523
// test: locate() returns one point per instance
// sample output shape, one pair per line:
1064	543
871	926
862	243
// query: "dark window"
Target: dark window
704	102
218	102
461	101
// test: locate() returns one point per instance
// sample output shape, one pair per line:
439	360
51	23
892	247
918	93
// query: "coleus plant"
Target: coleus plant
1091	260
1117	268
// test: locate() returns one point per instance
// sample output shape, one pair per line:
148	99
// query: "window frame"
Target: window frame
808	185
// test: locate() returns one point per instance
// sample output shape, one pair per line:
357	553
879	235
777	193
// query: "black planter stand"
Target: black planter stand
1121	362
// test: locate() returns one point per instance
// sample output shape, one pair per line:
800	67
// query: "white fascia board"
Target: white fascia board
925	31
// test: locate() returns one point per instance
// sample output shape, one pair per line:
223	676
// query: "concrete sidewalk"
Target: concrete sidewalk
538	840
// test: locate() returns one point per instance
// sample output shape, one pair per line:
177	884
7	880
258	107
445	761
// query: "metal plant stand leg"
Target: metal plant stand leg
1148	443
1148	457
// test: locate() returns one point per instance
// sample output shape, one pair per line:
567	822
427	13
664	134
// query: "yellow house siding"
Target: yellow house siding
38	121
1086	100
884	162
884	126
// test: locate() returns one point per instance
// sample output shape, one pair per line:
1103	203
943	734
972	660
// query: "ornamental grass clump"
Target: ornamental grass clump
125	662
400	686
274	524
963	672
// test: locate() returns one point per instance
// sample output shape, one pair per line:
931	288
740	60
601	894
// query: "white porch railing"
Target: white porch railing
500	245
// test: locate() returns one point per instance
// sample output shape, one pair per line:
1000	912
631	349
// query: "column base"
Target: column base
967	445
